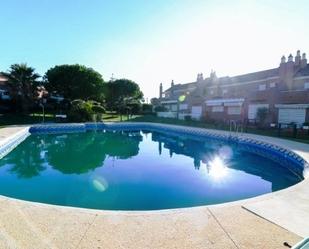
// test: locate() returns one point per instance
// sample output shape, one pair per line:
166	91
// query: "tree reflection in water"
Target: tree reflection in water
79	153
75	153
27	160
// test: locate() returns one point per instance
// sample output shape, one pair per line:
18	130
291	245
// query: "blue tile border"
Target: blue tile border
12	142
276	153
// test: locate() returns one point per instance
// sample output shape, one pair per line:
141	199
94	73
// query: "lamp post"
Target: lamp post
181	98
41	91
42	104
177	108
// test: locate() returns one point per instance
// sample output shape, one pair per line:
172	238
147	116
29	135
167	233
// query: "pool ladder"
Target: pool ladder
234	127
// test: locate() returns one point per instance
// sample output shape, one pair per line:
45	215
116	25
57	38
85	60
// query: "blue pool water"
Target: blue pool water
136	171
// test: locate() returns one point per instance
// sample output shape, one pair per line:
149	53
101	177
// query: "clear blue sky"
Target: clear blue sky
152	41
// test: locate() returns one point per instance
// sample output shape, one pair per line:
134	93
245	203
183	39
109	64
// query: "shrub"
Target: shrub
160	108
98	109
83	111
98	112
147	108
188	117
134	108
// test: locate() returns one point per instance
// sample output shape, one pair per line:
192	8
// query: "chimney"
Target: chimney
290	58
161	91
303	62
297	58
213	75
283	60
289	72
199	77
282	68
172	87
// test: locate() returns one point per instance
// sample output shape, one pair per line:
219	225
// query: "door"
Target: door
287	116
252	110
196	112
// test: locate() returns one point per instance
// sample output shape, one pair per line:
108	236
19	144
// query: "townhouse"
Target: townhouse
283	91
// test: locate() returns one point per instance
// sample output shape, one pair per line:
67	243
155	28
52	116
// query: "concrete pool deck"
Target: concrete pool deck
266	221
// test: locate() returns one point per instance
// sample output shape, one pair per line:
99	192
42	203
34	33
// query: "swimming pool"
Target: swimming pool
142	168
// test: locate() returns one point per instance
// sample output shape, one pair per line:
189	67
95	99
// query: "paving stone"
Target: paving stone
182	229
251	231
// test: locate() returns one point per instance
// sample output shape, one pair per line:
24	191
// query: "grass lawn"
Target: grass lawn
14	119
113	117
35	118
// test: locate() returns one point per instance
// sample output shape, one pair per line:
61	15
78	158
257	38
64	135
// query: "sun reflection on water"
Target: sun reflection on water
100	184
217	168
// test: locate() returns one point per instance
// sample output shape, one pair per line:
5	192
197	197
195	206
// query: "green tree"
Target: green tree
122	92
75	82
23	81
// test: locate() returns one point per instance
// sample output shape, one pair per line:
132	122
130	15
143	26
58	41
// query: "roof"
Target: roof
235	79
181	86
243	78
303	71
249	77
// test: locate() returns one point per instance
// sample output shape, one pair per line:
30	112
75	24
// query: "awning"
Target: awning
225	102
233	104
169	102
213	102
292	106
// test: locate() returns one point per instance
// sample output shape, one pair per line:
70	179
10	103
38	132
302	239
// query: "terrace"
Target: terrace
266	221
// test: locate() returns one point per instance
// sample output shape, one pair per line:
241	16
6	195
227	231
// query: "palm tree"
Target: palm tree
22	80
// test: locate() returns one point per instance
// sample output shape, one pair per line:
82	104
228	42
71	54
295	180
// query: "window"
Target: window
211	92
173	108
306	85
183	106
262	87
234	110
272	84
217	109
224	91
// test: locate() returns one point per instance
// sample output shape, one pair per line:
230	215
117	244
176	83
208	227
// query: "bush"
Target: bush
147	108
160	108
134	108
98	109
98	112
188	118
84	111
81	111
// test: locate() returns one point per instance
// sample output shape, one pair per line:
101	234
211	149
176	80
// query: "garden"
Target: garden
70	93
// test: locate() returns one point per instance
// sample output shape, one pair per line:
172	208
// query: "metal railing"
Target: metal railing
236	127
